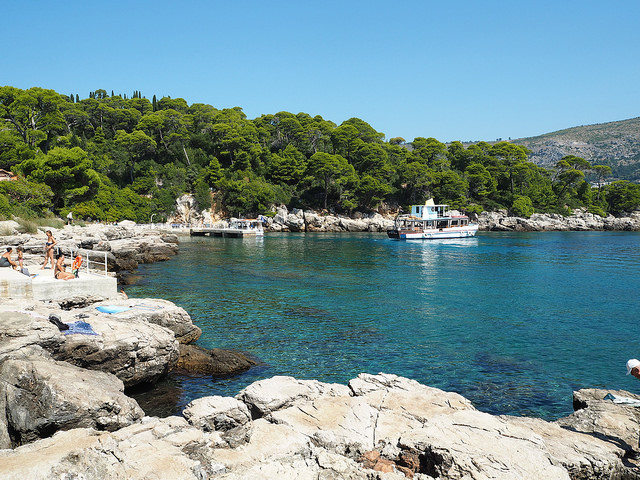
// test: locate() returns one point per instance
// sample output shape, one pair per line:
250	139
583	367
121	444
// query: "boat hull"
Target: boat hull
433	234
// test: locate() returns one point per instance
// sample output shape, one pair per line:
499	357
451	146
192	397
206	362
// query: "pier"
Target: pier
238	227
223	232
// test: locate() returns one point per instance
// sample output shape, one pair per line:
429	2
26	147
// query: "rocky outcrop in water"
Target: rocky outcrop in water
376	427
217	362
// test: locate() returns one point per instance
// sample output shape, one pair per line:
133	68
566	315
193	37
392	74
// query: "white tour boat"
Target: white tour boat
431	221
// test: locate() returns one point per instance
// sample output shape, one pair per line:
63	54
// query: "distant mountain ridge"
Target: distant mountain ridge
616	144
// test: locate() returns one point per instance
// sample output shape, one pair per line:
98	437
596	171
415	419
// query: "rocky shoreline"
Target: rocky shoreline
65	412
376	427
580	220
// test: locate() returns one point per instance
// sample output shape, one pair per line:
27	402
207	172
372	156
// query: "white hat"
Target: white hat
631	364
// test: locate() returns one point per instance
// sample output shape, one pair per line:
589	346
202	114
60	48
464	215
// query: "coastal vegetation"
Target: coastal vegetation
110	157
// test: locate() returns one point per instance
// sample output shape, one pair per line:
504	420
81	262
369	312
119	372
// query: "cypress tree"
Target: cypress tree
154	103
77	98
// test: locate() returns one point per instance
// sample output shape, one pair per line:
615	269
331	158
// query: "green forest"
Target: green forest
111	157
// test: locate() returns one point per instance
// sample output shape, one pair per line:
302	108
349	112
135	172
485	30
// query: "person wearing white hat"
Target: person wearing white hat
633	368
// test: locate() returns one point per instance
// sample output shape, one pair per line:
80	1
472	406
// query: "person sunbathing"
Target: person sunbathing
59	270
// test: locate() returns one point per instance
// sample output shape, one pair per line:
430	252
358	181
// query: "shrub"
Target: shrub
473	208
27	226
53	222
596	210
522	207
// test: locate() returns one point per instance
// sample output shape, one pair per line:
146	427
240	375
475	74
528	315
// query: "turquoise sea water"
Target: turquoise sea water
513	321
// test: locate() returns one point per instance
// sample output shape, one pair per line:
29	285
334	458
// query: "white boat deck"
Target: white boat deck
14	284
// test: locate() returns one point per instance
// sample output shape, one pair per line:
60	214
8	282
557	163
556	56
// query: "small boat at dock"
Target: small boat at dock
431	222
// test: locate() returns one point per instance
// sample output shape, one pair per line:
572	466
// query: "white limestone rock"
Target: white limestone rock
159	312
266	396
217	413
166	448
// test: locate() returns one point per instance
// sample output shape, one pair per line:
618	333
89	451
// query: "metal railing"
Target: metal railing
99	265
102	260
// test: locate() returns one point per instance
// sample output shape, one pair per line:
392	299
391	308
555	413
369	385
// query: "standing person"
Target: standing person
48	249
59	271
5	259
70	218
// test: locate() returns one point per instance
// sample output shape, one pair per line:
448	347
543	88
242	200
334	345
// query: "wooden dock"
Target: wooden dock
224	232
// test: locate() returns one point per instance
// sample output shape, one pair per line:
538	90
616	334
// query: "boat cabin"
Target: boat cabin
429	212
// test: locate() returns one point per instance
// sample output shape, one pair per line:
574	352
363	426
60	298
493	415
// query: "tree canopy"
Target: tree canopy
111	157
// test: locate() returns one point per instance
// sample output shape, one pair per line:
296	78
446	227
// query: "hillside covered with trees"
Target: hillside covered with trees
109	157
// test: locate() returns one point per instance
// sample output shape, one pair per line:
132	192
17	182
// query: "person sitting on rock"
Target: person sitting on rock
59	270
5	259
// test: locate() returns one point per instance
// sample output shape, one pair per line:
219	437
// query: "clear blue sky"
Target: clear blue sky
453	70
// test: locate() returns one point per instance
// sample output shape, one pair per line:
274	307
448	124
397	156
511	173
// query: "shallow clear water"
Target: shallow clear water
513	321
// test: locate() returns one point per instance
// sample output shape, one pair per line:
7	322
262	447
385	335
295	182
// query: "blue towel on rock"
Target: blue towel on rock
112	308
80	327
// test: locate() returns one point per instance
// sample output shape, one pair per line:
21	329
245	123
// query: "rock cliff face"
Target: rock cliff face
376	427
